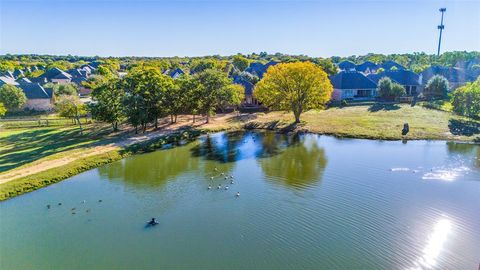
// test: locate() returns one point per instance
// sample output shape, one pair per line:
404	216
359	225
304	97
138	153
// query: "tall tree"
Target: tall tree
390	90
12	97
145	96
437	87
298	86
466	99
214	90
71	107
107	105
240	62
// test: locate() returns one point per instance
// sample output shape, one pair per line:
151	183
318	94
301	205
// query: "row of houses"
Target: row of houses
39	96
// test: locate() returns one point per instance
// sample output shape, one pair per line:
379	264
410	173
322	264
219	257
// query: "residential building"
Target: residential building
38	98
406	78
352	85
347	65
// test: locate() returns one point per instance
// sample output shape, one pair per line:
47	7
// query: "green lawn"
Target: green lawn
22	146
380	122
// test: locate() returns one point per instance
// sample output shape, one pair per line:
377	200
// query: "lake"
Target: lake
306	202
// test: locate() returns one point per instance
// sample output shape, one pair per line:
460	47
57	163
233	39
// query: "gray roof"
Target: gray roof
246	84
24	80
387	65
7	80
258	69
400	76
55	73
34	91
346	65
351	80
366	65
450	73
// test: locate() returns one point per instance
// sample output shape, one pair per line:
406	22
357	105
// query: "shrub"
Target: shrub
437	87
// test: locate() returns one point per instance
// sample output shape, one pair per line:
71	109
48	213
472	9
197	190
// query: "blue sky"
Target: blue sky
206	27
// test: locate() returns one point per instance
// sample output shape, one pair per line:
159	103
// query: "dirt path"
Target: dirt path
43	165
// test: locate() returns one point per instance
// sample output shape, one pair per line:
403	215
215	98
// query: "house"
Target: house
56	75
352	85
367	67
176	73
38	98
249	100
388	65
8	73
258	69
408	79
347	65
18	73
24	80
7	80
456	77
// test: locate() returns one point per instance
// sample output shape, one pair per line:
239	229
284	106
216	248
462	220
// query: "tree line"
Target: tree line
145	95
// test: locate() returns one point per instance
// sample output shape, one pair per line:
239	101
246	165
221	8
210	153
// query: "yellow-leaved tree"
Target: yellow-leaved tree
298	86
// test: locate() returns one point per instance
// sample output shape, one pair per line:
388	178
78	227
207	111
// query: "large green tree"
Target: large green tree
12	97
466	99
240	62
390	90
215	90
145	93
71	107
65	89
108	102
298	87
437	87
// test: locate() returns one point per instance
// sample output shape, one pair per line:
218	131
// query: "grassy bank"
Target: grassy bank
35	181
25	155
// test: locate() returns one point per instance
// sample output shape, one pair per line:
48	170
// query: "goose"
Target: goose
231	182
211	178
226	188
238	194
215	169
209	187
219	187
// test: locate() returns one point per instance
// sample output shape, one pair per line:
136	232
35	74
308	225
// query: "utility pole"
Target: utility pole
440	27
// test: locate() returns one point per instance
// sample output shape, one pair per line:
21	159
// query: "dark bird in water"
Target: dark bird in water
59	203
48	206
152	222
73	209
99	200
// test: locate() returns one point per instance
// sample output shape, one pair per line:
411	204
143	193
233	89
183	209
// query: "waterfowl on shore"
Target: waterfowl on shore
226	178
215	169
222	173
211	178
209	187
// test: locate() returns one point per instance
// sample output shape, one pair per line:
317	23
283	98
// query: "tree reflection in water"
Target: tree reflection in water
300	164
466	149
152	169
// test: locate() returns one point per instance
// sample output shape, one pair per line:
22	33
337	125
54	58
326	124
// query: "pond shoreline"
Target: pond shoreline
50	176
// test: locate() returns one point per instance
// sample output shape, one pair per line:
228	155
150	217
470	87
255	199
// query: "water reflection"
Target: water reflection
152	169
466	150
435	243
299	165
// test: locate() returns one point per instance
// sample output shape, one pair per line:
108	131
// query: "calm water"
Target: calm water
307	202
